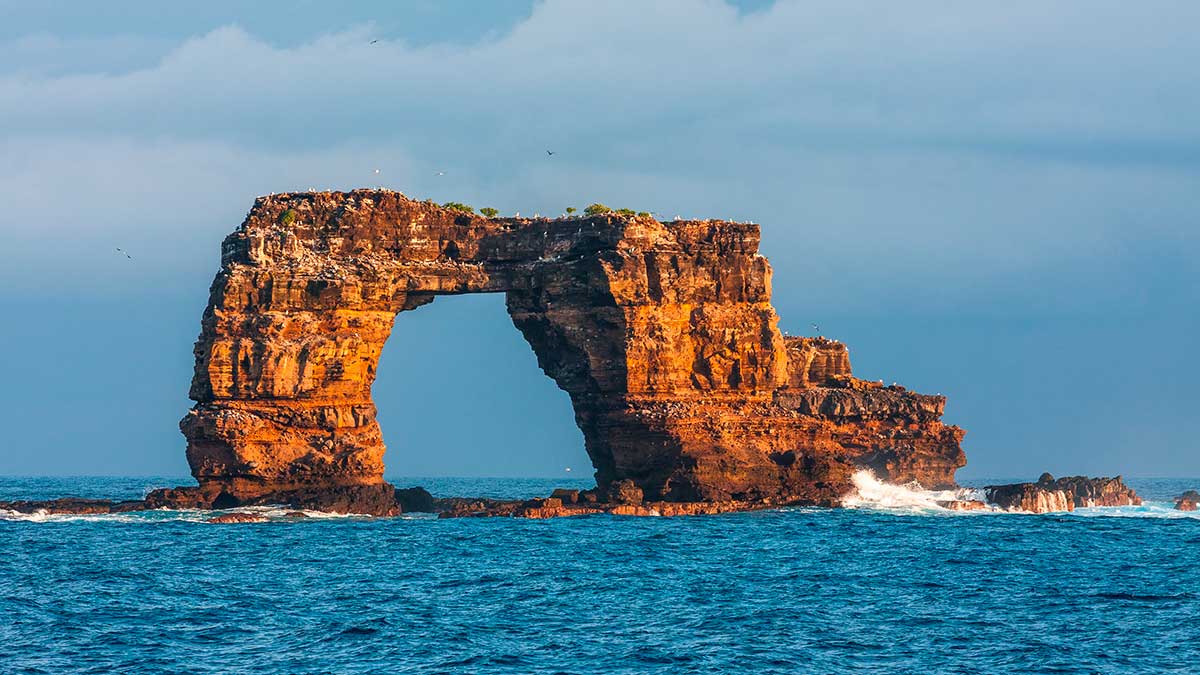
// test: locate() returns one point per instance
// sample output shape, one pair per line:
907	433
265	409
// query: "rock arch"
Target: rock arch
663	335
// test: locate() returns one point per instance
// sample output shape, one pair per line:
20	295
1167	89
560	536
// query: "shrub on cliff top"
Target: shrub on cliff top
570	210
488	212
457	206
627	212
596	210
287	217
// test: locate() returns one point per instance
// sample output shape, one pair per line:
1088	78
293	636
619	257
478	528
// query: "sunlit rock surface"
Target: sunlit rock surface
662	334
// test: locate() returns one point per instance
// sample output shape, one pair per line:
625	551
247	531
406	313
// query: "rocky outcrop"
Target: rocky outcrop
1188	501
238	517
73	505
1065	494
557	508
662	334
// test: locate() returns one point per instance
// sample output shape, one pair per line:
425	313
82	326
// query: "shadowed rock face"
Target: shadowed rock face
663	335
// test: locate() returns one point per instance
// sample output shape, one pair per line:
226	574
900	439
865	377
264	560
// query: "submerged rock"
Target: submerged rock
73	505
238	517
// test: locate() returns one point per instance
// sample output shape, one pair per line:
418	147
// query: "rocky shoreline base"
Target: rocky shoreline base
624	498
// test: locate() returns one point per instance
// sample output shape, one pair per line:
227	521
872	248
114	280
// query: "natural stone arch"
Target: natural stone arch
662	334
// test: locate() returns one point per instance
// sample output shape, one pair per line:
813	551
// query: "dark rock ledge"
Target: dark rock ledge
623	498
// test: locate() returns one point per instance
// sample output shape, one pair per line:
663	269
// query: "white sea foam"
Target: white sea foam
273	513
1146	510
872	493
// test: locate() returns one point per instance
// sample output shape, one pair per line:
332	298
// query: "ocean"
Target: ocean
894	585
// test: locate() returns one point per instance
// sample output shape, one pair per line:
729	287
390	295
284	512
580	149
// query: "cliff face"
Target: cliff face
662	334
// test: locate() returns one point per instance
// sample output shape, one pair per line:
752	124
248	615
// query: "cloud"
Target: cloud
856	71
938	151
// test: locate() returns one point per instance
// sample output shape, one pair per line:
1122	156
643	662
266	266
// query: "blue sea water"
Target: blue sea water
904	588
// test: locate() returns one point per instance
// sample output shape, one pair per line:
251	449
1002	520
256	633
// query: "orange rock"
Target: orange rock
663	335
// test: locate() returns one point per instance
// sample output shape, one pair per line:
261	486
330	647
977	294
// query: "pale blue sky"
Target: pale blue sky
995	201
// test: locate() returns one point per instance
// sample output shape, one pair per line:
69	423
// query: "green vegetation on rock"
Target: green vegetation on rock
458	206
488	212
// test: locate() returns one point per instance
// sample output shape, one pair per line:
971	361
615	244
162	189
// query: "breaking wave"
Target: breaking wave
872	493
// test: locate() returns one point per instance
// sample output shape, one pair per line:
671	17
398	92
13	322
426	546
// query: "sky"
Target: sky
999	202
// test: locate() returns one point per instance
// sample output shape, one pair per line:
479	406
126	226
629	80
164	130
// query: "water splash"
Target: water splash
872	493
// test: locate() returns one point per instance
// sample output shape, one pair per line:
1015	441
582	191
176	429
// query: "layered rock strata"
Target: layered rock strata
662	334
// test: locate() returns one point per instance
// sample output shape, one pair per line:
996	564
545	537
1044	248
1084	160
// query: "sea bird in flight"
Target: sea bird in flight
550	153
125	253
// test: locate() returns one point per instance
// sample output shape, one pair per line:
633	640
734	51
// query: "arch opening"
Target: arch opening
460	394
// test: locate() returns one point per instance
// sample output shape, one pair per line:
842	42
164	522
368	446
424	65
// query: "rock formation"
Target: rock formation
662	334
1188	501
238	517
689	397
1065	494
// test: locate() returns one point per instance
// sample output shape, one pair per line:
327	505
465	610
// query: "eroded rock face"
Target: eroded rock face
662	334
1065	494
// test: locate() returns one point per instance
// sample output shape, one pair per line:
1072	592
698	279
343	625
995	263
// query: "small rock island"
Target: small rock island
690	398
